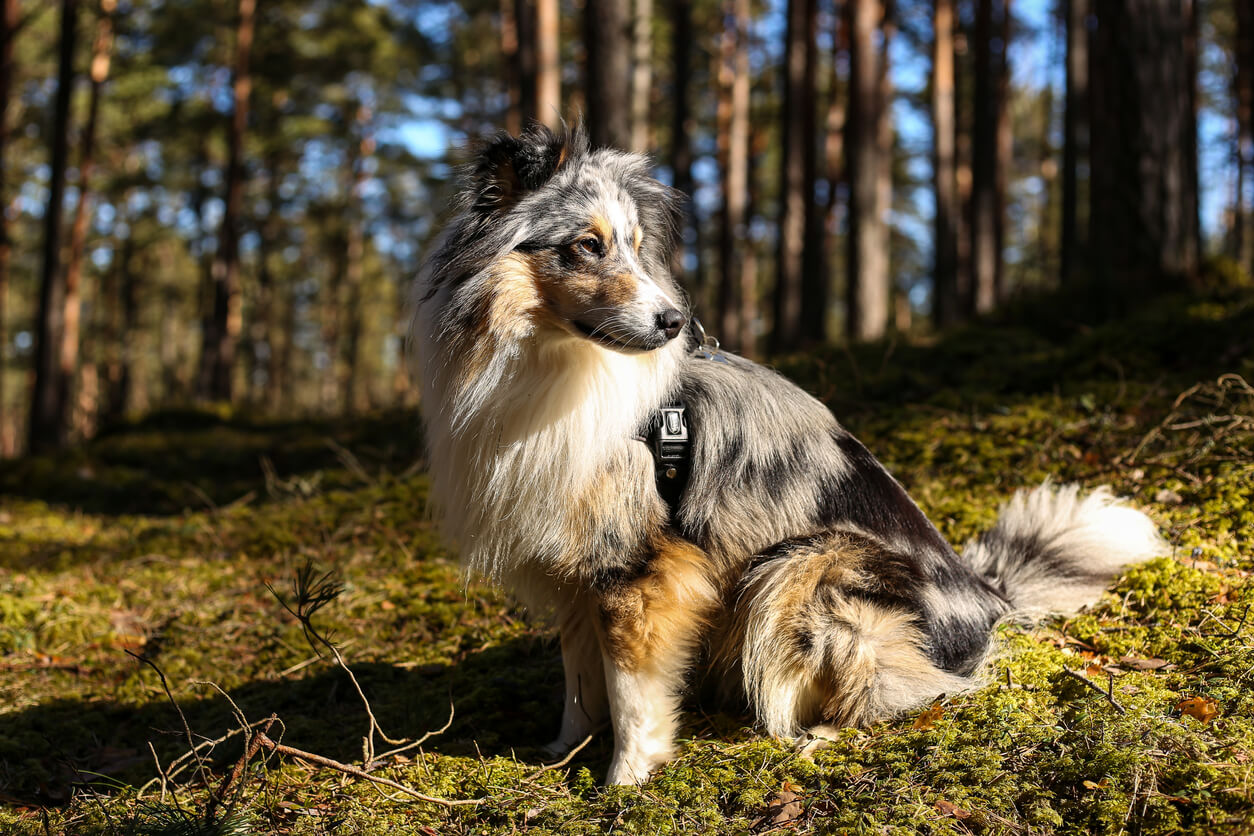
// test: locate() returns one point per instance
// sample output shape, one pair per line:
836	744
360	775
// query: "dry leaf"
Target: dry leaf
946	808
386	605
781	808
1153	664
928	718
1199	708
1094	670
1097	785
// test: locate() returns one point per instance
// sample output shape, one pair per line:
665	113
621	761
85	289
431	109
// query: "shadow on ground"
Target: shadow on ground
506	699
177	460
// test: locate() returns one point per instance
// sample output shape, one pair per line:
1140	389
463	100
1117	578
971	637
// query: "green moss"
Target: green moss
122	545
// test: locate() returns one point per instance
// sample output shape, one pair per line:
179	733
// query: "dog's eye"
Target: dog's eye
591	245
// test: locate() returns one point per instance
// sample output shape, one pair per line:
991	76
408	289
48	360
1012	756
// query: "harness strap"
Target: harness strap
669	436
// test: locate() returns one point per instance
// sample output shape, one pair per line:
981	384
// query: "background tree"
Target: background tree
226	322
48	407
607	71
1144	217
867	293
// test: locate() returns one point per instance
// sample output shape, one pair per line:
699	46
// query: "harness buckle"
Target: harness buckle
672	439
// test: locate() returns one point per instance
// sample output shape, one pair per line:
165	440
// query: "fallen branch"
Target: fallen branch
1108	694
318	760
250	752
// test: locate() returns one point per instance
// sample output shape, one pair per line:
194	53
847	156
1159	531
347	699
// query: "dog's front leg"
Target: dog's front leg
651	630
586	705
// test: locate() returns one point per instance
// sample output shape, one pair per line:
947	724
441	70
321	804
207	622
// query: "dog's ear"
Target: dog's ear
510	167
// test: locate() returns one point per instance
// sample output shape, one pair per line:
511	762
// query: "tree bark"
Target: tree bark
548	107
353	393
1143	223
734	116
1005	151
9	21
946	306
1075	140
884	142
1243	87
984	255
69	350
867	279
796	186
641	73
607	38
222	336
681	127
47	415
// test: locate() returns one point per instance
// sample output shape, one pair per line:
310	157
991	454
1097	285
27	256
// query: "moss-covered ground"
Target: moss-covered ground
159	539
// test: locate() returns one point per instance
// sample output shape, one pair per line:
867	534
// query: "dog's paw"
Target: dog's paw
628	772
815	739
557	748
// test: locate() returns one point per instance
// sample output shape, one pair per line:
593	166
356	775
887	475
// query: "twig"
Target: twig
250	752
414	744
318	760
569	756
350	462
160	772
204	775
1235	631
1108	694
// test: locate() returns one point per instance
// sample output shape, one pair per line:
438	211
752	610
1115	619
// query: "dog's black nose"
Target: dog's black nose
671	322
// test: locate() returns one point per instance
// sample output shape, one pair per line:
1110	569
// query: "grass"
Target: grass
159	539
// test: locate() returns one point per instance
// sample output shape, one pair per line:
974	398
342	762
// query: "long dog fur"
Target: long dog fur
795	567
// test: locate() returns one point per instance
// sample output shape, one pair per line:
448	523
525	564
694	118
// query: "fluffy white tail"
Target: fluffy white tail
1053	550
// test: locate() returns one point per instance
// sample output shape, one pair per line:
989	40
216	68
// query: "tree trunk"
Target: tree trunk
548	108
68	355
946	306
607	38
984	255
48	407
1075	140
641	73
1243	84
734	135
263	327
681	126
1005	151
352	388
796	184
867	280
513	15
1143	223
834	159
222	336
884	143
9	22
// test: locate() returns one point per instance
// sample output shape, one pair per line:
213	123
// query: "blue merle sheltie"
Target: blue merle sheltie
791	566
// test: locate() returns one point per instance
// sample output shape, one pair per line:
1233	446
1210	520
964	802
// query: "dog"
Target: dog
785	562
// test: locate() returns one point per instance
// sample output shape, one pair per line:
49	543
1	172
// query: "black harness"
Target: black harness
669	435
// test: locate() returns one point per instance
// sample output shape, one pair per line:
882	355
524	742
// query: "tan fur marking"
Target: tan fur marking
647	620
515	296
602	228
637	238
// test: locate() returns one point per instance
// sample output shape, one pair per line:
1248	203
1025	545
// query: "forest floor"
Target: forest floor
161	541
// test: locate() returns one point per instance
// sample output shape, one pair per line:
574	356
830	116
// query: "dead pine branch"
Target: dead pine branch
318	760
218	798
311	591
1108	694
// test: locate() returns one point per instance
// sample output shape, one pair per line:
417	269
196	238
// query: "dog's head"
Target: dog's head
589	235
